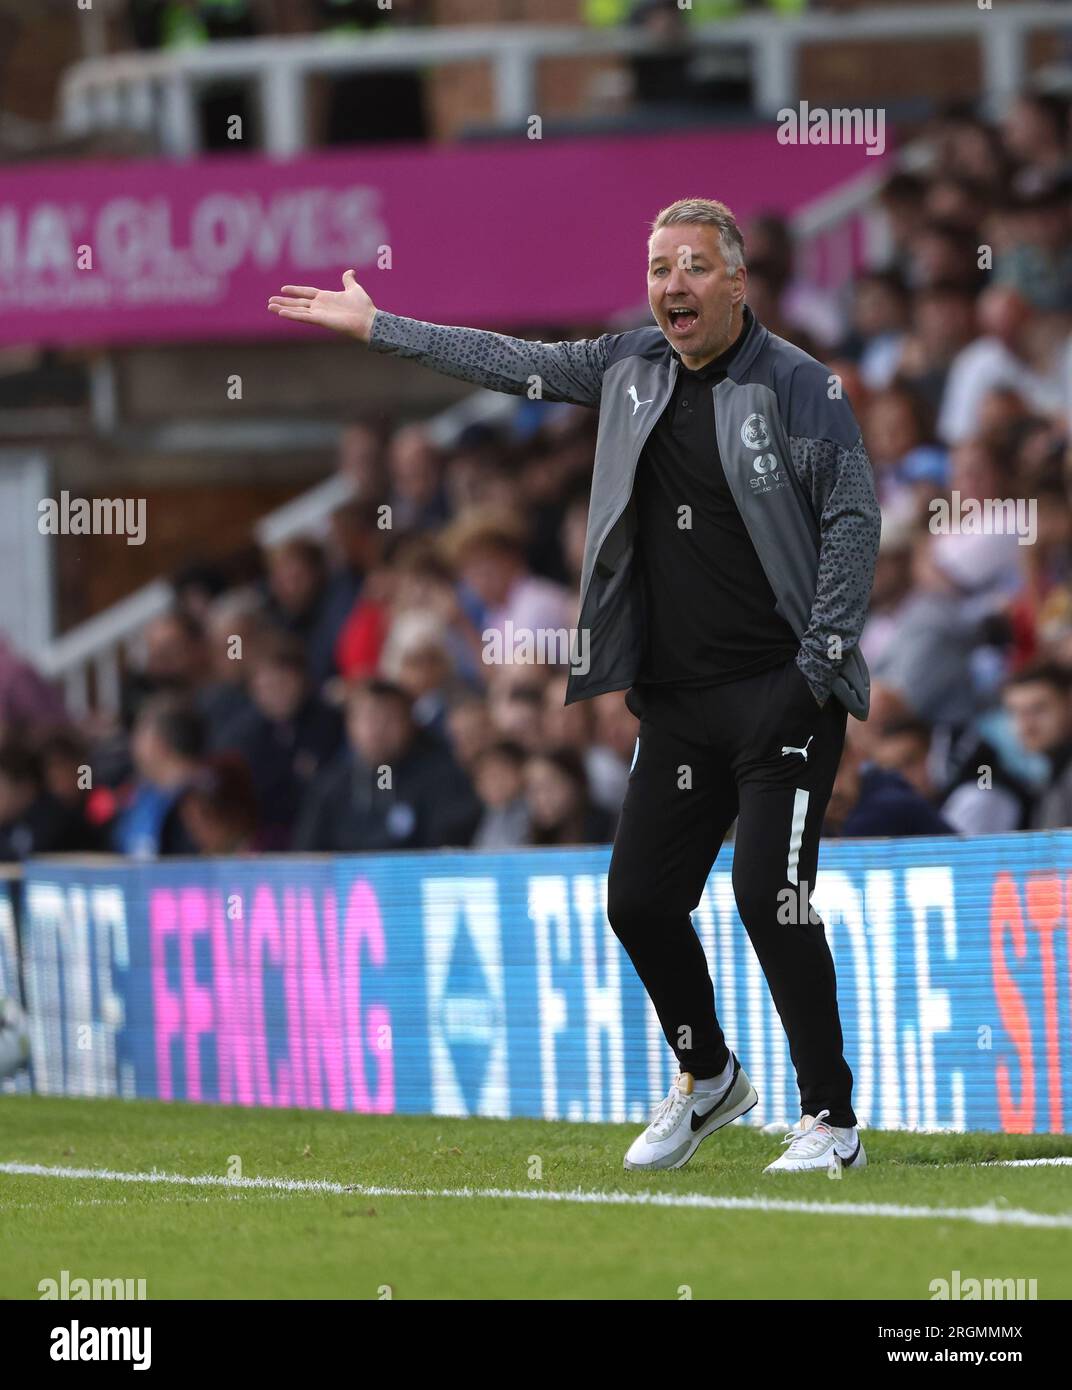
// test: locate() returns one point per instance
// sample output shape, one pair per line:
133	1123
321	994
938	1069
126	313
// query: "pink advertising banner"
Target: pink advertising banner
494	234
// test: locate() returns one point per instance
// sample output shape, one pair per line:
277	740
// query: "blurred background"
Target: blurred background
229	679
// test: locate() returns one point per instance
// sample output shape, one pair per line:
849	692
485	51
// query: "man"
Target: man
486	547
870	800
731	544
174	662
32	820
166	746
1004	356
356	547
286	735
395	786
1038	700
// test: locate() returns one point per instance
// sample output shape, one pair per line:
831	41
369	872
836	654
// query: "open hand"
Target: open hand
348	310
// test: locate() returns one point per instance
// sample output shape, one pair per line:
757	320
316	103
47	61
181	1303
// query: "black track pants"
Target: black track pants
704	757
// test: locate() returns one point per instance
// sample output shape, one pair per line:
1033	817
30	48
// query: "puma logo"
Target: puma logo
637	402
786	748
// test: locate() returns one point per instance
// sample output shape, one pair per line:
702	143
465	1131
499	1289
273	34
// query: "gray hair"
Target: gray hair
705	212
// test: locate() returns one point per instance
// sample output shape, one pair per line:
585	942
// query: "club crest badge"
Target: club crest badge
755	433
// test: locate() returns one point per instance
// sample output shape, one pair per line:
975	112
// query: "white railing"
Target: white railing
93	652
156	92
87	662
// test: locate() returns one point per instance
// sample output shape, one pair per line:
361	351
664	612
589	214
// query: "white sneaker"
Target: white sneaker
681	1122
813	1144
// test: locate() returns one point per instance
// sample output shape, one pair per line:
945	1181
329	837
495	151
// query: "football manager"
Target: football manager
732	536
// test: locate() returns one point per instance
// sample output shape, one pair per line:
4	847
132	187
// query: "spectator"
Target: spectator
67	778
574	726
929	642
357	546
1003	357
617	729
559	805
393	787
173	661
902	199
24	697
517	703
572	533
1039	702
469	729
234	624
943	324
805	308
416	579
417	657
361	457
1038	264
167	744
880	319
219	807
957	201
869	801
297	587
891	587
946	251
962	378
1035	133
894	425
982	795
32	820
967	147
286	735
487	548
904	746
417	497
196	587
498	776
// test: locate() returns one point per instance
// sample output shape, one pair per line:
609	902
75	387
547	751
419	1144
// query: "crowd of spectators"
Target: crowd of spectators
341	699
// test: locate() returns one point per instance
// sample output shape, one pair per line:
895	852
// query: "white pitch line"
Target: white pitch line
1026	1162
979	1216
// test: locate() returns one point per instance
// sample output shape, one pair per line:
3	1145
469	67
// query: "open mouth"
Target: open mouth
681	320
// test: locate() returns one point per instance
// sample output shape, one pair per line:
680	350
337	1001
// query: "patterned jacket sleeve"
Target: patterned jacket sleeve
562	371
832	464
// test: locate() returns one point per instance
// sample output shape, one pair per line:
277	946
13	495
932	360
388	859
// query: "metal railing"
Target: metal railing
88	661
156	92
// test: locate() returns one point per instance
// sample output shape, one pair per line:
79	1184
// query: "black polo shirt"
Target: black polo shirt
709	613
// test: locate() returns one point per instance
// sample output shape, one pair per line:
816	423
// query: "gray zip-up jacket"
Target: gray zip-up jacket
794	461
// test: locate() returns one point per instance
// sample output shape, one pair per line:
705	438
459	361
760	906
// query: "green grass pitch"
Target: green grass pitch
506	1238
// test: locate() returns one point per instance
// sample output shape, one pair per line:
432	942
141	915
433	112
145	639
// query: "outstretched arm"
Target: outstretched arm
562	371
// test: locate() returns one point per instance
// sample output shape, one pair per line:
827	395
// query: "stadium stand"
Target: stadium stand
357	643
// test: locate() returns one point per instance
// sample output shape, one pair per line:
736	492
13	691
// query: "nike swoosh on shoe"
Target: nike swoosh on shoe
697	1122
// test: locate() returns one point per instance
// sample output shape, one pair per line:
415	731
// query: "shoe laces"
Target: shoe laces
666	1114
810	1136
